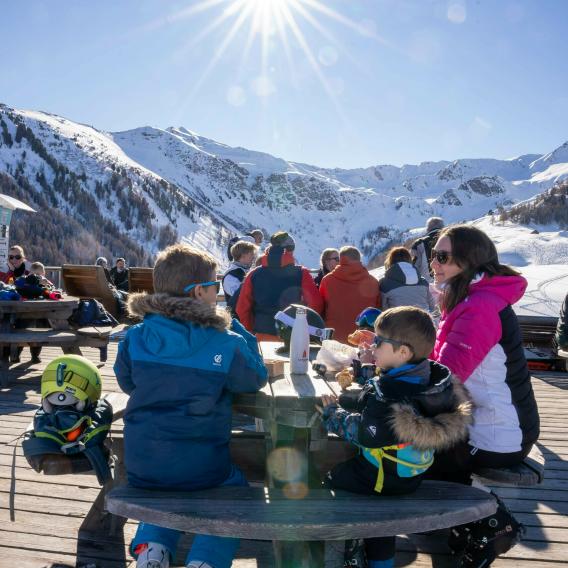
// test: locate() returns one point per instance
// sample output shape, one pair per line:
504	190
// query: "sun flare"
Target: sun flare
264	29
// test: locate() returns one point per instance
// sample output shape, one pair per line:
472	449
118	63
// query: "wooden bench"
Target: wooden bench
538	334
537	330
261	513
141	279
88	282
529	472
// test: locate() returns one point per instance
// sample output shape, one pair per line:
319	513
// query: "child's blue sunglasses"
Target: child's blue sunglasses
204	284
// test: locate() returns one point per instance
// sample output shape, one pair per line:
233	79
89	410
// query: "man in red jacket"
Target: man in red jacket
273	286
346	291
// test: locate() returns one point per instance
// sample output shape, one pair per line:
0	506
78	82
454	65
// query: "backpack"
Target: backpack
91	312
232	300
428	241
230	246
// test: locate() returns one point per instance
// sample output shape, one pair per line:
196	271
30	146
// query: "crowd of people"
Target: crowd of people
439	400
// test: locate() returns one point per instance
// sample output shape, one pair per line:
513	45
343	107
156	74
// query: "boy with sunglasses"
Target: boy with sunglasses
180	367
400	418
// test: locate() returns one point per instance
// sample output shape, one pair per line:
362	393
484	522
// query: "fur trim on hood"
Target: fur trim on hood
439	432
179	307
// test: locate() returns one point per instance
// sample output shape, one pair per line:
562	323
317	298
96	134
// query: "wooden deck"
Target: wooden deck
40	515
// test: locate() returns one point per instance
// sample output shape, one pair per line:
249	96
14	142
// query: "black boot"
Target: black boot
477	544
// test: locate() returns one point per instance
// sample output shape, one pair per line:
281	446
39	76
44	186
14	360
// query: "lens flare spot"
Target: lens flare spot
286	464
295	490
236	96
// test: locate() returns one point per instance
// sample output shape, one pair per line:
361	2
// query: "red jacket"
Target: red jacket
273	286
346	291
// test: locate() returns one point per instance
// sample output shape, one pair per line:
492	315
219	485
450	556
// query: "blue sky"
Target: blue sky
361	82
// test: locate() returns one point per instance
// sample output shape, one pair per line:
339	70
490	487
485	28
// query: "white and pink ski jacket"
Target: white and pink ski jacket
480	341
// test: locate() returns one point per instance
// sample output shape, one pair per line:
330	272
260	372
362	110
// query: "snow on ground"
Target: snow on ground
542	259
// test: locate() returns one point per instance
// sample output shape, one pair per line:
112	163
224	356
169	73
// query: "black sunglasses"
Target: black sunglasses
15	257
336	258
442	256
380	339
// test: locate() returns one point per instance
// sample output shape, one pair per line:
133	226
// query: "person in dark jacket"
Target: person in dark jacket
273	286
421	247
180	367
119	275
402	285
329	259
412	409
562	326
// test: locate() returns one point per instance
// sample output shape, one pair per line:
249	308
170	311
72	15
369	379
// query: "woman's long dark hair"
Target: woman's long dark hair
474	252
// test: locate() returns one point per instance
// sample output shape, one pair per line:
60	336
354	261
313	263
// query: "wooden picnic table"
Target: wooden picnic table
287	407
58	331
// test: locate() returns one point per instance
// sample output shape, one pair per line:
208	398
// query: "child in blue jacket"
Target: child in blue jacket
180	367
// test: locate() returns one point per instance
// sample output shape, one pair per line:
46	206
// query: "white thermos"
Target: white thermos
300	343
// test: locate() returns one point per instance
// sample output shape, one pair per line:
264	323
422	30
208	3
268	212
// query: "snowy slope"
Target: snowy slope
254	189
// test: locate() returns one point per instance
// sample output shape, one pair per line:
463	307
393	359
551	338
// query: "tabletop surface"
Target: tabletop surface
292	392
26	305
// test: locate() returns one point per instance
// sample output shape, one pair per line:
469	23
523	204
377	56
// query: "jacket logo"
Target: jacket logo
373	430
217	360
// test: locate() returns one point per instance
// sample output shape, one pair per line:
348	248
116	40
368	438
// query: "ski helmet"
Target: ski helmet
285	320
72	375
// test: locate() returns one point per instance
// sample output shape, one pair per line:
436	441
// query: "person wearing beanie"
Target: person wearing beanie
273	285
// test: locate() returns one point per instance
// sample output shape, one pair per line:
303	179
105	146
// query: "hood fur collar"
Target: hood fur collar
179	307
440	432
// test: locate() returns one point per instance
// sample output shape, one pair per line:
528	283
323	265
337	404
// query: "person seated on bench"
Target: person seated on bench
410	410
119	275
180	367
119	295
479	339
561	336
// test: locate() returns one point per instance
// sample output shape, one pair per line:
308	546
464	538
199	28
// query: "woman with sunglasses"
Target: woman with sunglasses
479	339
16	265
329	259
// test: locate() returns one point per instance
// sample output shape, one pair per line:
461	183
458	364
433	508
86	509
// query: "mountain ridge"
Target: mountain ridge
160	185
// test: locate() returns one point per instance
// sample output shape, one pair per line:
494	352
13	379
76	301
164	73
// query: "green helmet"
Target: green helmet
74	375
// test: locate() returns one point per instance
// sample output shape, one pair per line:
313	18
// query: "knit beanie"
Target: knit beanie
283	239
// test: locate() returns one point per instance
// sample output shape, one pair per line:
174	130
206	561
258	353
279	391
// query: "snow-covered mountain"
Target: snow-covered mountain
153	186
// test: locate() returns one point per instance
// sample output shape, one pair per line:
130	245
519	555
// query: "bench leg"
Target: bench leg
4	368
104	354
71	350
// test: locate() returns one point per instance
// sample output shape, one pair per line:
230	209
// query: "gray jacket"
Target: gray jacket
402	285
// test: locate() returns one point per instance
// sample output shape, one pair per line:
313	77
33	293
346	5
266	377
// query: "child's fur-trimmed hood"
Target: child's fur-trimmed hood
439	432
180	308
